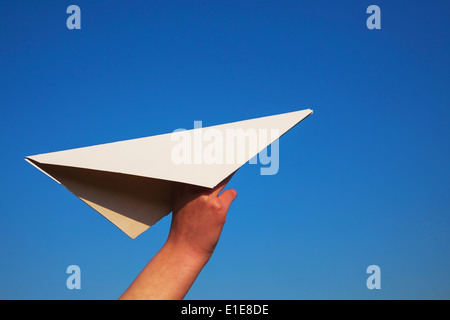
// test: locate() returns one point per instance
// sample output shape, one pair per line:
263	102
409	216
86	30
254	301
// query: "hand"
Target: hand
198	217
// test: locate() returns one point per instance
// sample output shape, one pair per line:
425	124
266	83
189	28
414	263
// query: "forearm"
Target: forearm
168	276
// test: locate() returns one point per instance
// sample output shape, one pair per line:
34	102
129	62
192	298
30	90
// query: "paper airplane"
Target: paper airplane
129	182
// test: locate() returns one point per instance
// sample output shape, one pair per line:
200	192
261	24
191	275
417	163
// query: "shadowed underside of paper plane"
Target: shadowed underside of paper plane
130	182
132	203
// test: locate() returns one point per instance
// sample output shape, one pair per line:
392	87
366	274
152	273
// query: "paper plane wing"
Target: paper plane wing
129	182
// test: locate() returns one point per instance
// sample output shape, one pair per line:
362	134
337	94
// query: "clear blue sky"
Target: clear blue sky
362	181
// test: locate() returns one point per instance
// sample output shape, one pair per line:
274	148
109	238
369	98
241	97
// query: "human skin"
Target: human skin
198	217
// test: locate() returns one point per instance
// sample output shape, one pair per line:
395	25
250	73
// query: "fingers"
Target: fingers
218	189
183	193
226	198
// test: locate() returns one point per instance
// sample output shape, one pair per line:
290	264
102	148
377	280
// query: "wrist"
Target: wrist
189	255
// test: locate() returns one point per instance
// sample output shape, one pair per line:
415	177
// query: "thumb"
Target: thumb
226	198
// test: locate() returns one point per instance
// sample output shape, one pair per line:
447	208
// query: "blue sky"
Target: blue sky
362	181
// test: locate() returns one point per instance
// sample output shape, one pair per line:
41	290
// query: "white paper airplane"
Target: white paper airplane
130	182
